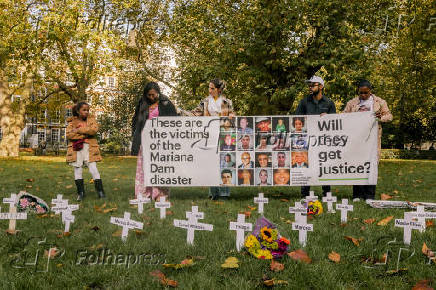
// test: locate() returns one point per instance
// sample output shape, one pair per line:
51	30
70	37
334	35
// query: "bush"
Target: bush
408	154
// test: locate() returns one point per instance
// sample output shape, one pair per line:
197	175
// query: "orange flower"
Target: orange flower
285	240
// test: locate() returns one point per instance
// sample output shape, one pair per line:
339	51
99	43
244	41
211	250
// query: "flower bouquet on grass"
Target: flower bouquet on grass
265	241
30	203
314	207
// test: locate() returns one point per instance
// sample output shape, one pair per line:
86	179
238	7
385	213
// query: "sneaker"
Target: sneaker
356	199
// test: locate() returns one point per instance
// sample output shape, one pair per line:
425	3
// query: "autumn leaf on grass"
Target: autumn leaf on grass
64	234
230	263
429	253
69	186
246	213
369	221
276	266
274	282
251	207
385	221
183	264
284	200
30	180
423	285
396	192
300	255
99	208
385	196
429	223
52	253
355	241
117	233
163	280
91	181
335	257
42	215
109	210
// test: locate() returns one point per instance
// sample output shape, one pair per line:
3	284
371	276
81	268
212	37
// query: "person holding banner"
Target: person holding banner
152	104
366	101
216	104
315	104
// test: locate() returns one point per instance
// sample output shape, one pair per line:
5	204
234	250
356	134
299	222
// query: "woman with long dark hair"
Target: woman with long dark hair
152	104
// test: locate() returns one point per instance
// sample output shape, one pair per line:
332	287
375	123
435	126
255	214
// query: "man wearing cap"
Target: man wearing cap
316	103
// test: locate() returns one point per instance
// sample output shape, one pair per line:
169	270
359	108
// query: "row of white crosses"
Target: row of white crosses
162	204
409	224
62	207
12	215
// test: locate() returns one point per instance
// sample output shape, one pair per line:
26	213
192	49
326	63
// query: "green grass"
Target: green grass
412	180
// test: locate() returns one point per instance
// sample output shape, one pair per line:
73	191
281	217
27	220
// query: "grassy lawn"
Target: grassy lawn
405	180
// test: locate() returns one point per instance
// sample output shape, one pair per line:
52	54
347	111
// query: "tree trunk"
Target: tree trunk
11	117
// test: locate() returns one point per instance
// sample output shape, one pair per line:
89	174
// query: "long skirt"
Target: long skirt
153	192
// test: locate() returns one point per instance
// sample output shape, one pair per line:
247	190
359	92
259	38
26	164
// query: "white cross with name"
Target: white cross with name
344	208
421	215
260	200
127	224
240	227
140	200
329	199
12	215
58	200
311	196
408	224
162	205
302	227
298	210
192	225
195	213
67	219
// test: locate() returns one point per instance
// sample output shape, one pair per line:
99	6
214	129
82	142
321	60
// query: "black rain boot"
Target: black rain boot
99	188
80	189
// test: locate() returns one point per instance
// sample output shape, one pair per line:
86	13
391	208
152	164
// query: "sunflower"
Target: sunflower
268	234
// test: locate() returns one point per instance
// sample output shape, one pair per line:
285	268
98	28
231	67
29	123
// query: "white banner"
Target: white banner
336	149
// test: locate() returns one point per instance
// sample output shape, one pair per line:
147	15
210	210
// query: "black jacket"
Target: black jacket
166	108
309	106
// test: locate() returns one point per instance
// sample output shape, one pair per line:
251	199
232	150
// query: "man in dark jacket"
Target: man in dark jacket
315	104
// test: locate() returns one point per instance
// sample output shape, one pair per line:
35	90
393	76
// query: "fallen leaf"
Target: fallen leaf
169	212
429	223
423	285
385	196
274	282
385	221
115	179
95	228
51	253
300	255
426	251
276	266
246	213
230	263
91	181
157	274
64	234
29	186
335	257
369	221
355	241
395	191
163	280
42	215
117	233
59	265
284	200
109	210
185	263
30	180
382	260
69	186
251	207
288	222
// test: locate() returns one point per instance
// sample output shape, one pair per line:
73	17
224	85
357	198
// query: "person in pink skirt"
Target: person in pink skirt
152	104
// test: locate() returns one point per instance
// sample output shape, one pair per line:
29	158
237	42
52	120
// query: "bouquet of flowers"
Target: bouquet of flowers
314	207
265	242
30	203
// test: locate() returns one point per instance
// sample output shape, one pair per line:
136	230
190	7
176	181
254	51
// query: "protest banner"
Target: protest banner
336	149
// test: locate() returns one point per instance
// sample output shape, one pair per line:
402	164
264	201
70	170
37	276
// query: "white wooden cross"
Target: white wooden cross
67	218
344	208
162	205
408	224
240	227
12	215
421	215
298	210
192	224
329	199
127	224
58	200
140	200
311	196
195	213
302	227
260	200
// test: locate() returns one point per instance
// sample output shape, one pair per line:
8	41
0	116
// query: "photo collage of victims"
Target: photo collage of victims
262	151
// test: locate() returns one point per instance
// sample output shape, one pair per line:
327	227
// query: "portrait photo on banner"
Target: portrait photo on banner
245	125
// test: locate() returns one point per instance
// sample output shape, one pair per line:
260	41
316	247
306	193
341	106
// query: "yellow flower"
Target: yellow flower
266	234
264	254
251	242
